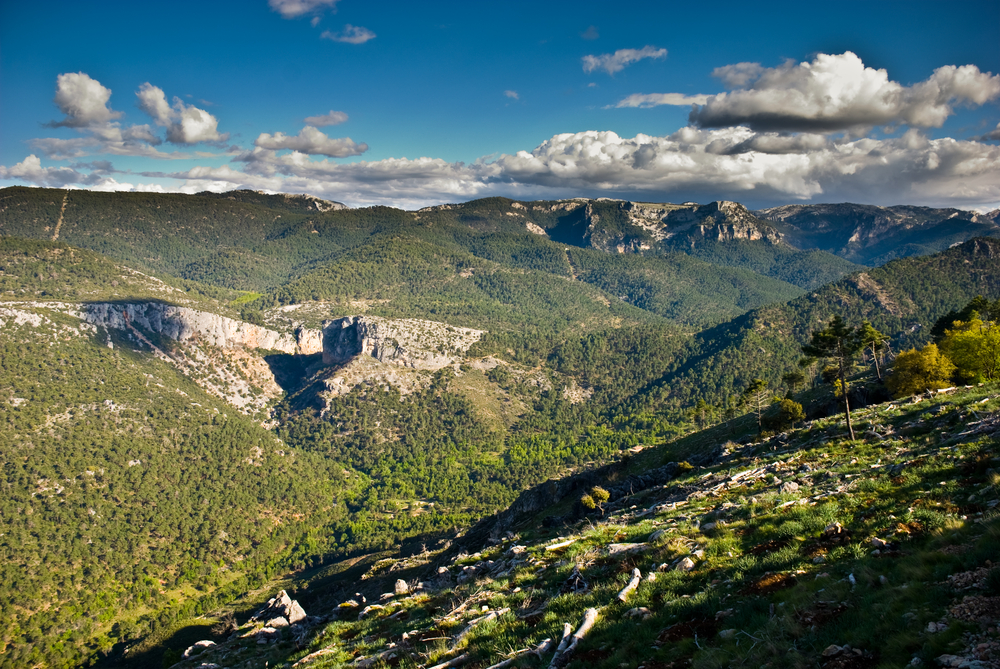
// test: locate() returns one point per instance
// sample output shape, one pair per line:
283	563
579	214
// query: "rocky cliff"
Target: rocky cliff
407	342
182	324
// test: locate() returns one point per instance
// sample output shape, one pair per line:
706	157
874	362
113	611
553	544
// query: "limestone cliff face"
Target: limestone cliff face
408	342
183	323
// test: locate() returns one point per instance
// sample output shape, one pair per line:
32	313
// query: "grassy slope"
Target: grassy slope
775	570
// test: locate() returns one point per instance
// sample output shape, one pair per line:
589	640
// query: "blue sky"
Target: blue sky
411	104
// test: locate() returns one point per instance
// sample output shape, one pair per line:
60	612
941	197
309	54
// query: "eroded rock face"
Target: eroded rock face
409	342
183	323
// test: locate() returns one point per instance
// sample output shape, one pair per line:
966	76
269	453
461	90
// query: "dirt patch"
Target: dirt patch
821	613
770	583
977	609
701	627
851	659
592	657
770	546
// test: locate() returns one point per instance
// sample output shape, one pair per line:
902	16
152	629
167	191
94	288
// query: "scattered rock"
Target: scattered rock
276	622
687	564
198	647
727	634
788	487
401	587
639	612
368	610
281	606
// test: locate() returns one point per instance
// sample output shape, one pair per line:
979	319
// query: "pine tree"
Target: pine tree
757	396
840	344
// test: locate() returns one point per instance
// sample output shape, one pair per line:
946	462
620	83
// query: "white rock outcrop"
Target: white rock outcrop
407	342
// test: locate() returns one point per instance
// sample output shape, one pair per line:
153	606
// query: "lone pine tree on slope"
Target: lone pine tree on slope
840	344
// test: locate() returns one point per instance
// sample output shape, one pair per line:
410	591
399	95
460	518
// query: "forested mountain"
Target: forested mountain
902	299
202	393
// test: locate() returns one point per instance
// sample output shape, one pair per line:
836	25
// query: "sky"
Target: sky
414	104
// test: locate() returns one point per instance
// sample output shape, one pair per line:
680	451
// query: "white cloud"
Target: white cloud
83	100
333	118
311	141
30	171
690	164
512	94
291	9
349	35
992	134
729	163
657	99
837	92
153	101
616	62
109	185
185	124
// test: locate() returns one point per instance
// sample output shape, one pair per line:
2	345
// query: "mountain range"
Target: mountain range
203	394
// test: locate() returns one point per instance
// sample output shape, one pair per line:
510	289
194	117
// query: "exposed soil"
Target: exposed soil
703	627
769	583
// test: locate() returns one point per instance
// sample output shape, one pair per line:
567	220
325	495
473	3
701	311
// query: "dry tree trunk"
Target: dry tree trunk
632	585
564	652
538	650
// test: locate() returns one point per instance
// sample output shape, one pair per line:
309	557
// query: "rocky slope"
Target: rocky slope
797	550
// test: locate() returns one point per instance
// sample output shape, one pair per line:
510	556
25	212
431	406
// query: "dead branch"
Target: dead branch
472	623
561	544
461	659
561	658
538	650
567	632
632	585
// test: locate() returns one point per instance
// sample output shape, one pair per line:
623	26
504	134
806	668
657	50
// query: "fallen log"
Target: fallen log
454	662
492	615
538	650
561	544
589	618
563	643
632	585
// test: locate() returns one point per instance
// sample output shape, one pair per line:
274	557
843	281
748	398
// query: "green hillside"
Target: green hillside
163	463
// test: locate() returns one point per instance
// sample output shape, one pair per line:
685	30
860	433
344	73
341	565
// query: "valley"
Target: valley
210	398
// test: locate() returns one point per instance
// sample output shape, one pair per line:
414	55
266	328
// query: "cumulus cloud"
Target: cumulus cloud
311	141
657	99
349	35
838	92
512	94
333	118
83	100
30	170
291	9
617	61
185	124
